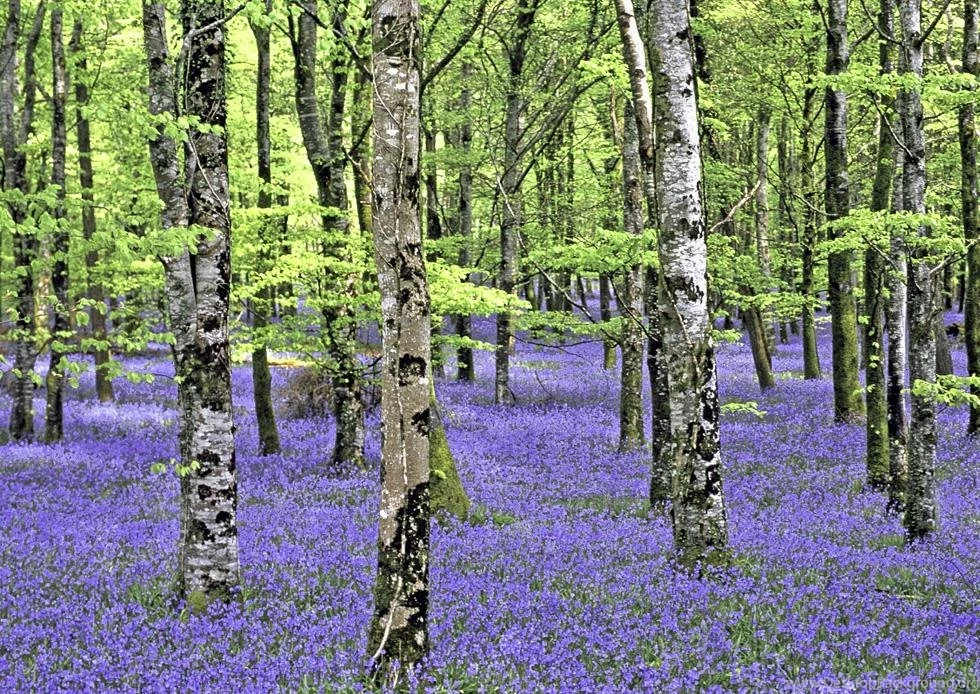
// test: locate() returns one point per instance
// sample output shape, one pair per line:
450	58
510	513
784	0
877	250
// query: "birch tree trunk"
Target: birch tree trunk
15	128
848	405
54	410
631	302
896	325
699	515
94	289
920	501
875	398
398	636
262	304
197	288
968	194
765	315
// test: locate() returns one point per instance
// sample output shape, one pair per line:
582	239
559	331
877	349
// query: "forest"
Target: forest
489	346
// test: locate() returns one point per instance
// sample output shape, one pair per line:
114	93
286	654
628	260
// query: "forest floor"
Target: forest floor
562	581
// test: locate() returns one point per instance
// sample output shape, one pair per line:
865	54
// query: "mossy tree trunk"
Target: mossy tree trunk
875	398
848	405
808	149
323	141
399	636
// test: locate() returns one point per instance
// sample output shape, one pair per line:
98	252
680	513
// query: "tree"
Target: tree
95	290
968	202
324	144
699	514
920	500
262	304
55	380
398	637
15	129
196	216
843	309
876	401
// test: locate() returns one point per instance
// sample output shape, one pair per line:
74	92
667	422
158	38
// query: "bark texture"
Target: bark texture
920	500
323	141
398	636
848	405
896	325
699	515
197	288
875	397
15	127
54	410
968	194
511	219
631	301
465	367
262	304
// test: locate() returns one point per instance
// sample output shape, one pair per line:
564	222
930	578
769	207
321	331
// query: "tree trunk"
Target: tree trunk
896	324
811	358
433	232
398	637
920	501
631	301
15	128
755	327
848	405
54	415
970	288
511	222
465	368
605	315
262	303
197	293
875	398
766	315
325	150
661	430
699	515
95	292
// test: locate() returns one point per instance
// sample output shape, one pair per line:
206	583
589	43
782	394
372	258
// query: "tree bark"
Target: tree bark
465	367
631	301
896	325
699	515
54	411
262	303
605	315
848	405
766	315
95	291
920	501
398	635
197	288
15	128
511	219
875	397
324	146
968	195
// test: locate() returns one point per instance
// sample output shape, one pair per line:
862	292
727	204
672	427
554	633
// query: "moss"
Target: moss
448	496
197	602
